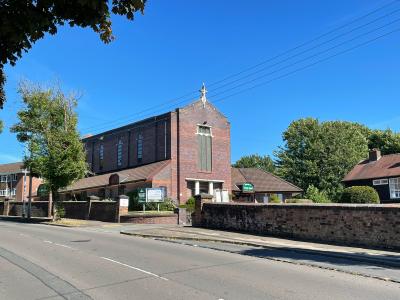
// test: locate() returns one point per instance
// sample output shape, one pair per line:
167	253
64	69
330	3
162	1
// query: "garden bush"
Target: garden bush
274	199
296	200
359	194
134	205
316	196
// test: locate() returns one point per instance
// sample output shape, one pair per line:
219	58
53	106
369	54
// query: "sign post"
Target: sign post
142	198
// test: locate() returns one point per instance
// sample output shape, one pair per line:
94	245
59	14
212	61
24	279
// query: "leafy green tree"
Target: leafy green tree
22	23
321	153
385	140
47	125
256	161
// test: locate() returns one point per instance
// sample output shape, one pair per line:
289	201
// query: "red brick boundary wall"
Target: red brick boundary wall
349	224
15	208
151	219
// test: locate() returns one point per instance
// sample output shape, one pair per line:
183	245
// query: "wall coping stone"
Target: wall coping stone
346	206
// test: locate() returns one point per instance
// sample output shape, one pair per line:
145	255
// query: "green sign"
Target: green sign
142	196
43	190
247	187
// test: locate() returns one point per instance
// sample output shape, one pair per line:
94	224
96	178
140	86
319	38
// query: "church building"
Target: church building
185	151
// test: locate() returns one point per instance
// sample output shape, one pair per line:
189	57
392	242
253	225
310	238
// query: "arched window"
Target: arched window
119	152
140	147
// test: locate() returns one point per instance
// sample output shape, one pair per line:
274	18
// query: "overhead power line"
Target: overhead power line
294	71
175	103
311	65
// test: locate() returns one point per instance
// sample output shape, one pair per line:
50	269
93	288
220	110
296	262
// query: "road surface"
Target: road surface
48	262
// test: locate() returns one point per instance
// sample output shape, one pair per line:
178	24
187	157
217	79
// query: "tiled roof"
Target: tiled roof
12	167
262	181
145	172
386	166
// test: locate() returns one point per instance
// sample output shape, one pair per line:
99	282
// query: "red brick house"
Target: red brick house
380	172
14	182
186	151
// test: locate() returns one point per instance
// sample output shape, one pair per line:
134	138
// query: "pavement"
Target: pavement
38	261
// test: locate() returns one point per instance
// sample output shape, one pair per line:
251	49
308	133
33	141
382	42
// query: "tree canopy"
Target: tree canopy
22	23
256	161
385	140
47	125
321	153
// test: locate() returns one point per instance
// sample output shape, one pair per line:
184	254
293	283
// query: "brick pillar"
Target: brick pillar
122	207
198	207
6	208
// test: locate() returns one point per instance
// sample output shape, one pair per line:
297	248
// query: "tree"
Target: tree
47	125
321	154
385	140
256	161
22	23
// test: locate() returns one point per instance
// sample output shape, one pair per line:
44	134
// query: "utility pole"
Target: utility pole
24	195
30	194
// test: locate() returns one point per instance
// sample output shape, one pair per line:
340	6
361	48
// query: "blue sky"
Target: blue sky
177	45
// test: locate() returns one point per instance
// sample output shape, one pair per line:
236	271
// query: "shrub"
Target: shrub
190	204
316	196
359	194
274	199
296	200
134	204
60	210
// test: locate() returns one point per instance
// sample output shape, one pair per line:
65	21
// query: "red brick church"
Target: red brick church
186	151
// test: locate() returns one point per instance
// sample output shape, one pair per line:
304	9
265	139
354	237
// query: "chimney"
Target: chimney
374	154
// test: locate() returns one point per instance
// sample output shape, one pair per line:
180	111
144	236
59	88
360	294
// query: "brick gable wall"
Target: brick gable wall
185	161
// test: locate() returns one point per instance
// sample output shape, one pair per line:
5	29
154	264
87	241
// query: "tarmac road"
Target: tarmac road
47	262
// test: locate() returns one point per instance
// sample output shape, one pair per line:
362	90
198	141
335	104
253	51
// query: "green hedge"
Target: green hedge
359	194
294	200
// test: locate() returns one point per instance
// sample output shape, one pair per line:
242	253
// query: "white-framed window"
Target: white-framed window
4	178
13	192
204	130
119	152
14	177
380	181
4	192
204	139
394	186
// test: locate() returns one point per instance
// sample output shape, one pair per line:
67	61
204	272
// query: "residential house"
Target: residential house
380	172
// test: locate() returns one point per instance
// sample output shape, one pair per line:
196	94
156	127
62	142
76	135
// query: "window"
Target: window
204	139
13	192
119	152
101	156
4	178
140	147
394	186
380	181
14	177
4	192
